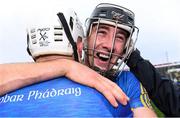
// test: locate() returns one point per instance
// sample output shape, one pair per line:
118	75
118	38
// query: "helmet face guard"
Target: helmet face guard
118	17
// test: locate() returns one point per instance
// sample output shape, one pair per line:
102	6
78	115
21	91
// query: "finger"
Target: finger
117	92
110	97
107	94
119	95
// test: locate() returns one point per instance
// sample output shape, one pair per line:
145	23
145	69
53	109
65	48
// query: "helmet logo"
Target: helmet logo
43	36
117	16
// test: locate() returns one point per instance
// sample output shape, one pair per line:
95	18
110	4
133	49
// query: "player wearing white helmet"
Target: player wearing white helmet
110	44
60	96
59	38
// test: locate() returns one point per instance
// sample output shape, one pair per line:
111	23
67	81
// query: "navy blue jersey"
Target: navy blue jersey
63	97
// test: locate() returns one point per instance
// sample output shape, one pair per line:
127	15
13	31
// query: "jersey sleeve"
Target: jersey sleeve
164	94
134	90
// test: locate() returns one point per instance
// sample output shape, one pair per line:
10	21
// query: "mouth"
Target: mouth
103	56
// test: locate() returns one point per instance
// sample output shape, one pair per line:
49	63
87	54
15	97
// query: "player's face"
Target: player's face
101	42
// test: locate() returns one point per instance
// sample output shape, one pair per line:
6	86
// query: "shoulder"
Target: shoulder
128	82
126	75
134	89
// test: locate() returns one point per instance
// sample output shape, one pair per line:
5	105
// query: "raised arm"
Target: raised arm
15	76
164	94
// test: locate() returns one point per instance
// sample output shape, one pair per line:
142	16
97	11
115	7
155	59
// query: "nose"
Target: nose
109	42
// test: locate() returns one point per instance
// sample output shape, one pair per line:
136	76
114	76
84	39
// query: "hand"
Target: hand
134	58
109	89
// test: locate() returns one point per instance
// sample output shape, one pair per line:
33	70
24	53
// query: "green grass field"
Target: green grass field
158	112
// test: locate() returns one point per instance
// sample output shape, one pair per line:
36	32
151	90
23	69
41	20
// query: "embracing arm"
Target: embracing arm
164	94
15	76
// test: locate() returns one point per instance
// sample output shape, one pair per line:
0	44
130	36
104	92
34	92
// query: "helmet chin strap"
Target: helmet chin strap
68	34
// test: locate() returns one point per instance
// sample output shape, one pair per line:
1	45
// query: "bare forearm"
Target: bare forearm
14	76
144	112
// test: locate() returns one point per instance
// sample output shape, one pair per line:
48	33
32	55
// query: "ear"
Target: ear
79	46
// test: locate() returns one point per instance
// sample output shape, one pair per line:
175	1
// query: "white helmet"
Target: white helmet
57	36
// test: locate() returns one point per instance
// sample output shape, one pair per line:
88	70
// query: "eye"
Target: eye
101	32
120	37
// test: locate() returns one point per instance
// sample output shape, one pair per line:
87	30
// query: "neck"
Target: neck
52	57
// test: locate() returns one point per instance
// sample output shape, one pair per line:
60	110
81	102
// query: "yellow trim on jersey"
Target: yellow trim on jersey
144	97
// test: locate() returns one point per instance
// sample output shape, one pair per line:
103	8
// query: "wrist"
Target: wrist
68	66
